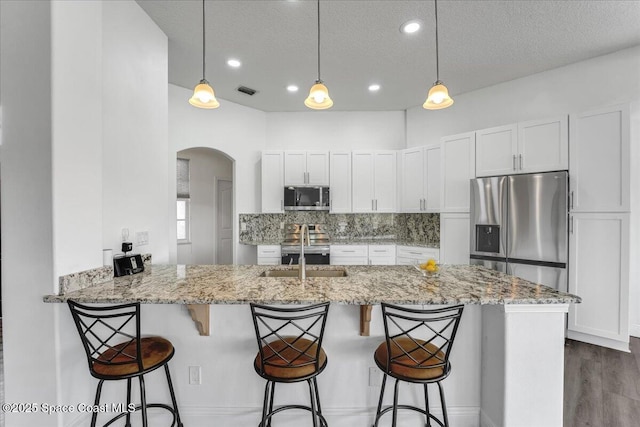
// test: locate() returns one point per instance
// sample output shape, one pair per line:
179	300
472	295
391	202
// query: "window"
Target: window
183	201
182	209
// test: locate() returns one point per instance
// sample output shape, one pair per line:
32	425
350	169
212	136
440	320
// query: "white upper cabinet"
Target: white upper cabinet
272	182
306	168
543	145
340	181
374	181
496	150
600	160
457	160
526	147
420	179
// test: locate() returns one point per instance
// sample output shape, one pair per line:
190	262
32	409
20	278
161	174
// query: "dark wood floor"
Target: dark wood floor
601	386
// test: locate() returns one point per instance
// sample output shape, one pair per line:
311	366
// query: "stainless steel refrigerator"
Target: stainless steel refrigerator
519	226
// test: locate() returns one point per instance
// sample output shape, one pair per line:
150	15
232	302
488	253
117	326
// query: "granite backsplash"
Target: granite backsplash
418	227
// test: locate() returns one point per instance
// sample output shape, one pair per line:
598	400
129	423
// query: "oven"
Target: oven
313	255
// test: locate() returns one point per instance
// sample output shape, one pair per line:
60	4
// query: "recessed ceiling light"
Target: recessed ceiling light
410	27
374	88
292	88
234	63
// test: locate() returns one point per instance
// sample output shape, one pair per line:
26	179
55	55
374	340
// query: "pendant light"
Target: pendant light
318	98
438	94
203	95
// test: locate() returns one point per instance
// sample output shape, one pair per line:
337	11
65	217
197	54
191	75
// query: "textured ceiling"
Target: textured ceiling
482	42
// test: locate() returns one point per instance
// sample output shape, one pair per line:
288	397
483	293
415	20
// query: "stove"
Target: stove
316	253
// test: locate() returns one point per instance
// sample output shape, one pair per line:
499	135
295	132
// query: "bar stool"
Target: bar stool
115	351
416	349
290	351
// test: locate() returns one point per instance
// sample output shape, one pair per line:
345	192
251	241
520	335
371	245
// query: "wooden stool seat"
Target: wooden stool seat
122	357
411	359
290	358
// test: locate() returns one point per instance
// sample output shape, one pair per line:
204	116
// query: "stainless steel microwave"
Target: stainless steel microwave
306	198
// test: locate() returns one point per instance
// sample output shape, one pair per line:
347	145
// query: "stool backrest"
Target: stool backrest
420	339
278	330
110	334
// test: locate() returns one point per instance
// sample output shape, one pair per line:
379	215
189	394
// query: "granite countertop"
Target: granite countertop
364	285
355	241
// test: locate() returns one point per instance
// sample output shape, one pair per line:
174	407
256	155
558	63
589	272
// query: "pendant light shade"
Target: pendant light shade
203	94
318	98
438	97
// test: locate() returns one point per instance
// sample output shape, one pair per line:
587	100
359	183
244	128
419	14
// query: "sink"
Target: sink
310	273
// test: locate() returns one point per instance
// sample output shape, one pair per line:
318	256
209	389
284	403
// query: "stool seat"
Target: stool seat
290	358
155	351
417	365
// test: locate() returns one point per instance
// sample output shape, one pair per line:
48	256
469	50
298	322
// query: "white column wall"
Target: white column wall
29	332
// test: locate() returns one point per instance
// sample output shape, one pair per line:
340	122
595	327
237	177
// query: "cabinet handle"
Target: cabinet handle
520	161
514	162
376	204
571	199
348	251
571	224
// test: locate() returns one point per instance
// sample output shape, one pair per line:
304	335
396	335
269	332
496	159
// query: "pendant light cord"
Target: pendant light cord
437	56
204	48
318	3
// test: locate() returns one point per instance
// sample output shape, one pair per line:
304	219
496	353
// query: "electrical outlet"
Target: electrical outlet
142	238
282	225
243	226
375	377
195	375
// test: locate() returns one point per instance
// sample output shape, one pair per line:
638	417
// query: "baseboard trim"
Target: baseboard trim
204	416
603	342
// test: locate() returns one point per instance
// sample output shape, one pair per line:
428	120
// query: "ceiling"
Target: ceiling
482	42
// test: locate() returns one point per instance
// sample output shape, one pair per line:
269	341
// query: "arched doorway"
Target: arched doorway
204	207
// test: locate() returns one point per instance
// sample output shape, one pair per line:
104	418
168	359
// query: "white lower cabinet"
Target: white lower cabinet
454	238
409	255
349	254
599	274
269	255
382	254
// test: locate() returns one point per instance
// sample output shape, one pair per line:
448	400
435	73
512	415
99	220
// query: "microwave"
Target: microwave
306	198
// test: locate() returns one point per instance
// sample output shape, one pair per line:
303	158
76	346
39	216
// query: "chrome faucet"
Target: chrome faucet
302	264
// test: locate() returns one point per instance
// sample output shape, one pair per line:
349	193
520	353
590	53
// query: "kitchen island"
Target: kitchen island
522	324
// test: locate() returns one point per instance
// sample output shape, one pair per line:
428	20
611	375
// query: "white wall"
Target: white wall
205	165
29	331
605	80
336	130
135	142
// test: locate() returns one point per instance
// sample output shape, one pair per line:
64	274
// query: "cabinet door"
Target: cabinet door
272	181
295	167
543	145
432	178
412	179
385	178
496	151
454	238
599	274
340	181
457	154
317	168
599	163
362	164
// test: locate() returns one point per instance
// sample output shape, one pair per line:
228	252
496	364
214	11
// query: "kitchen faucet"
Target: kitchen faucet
302	264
